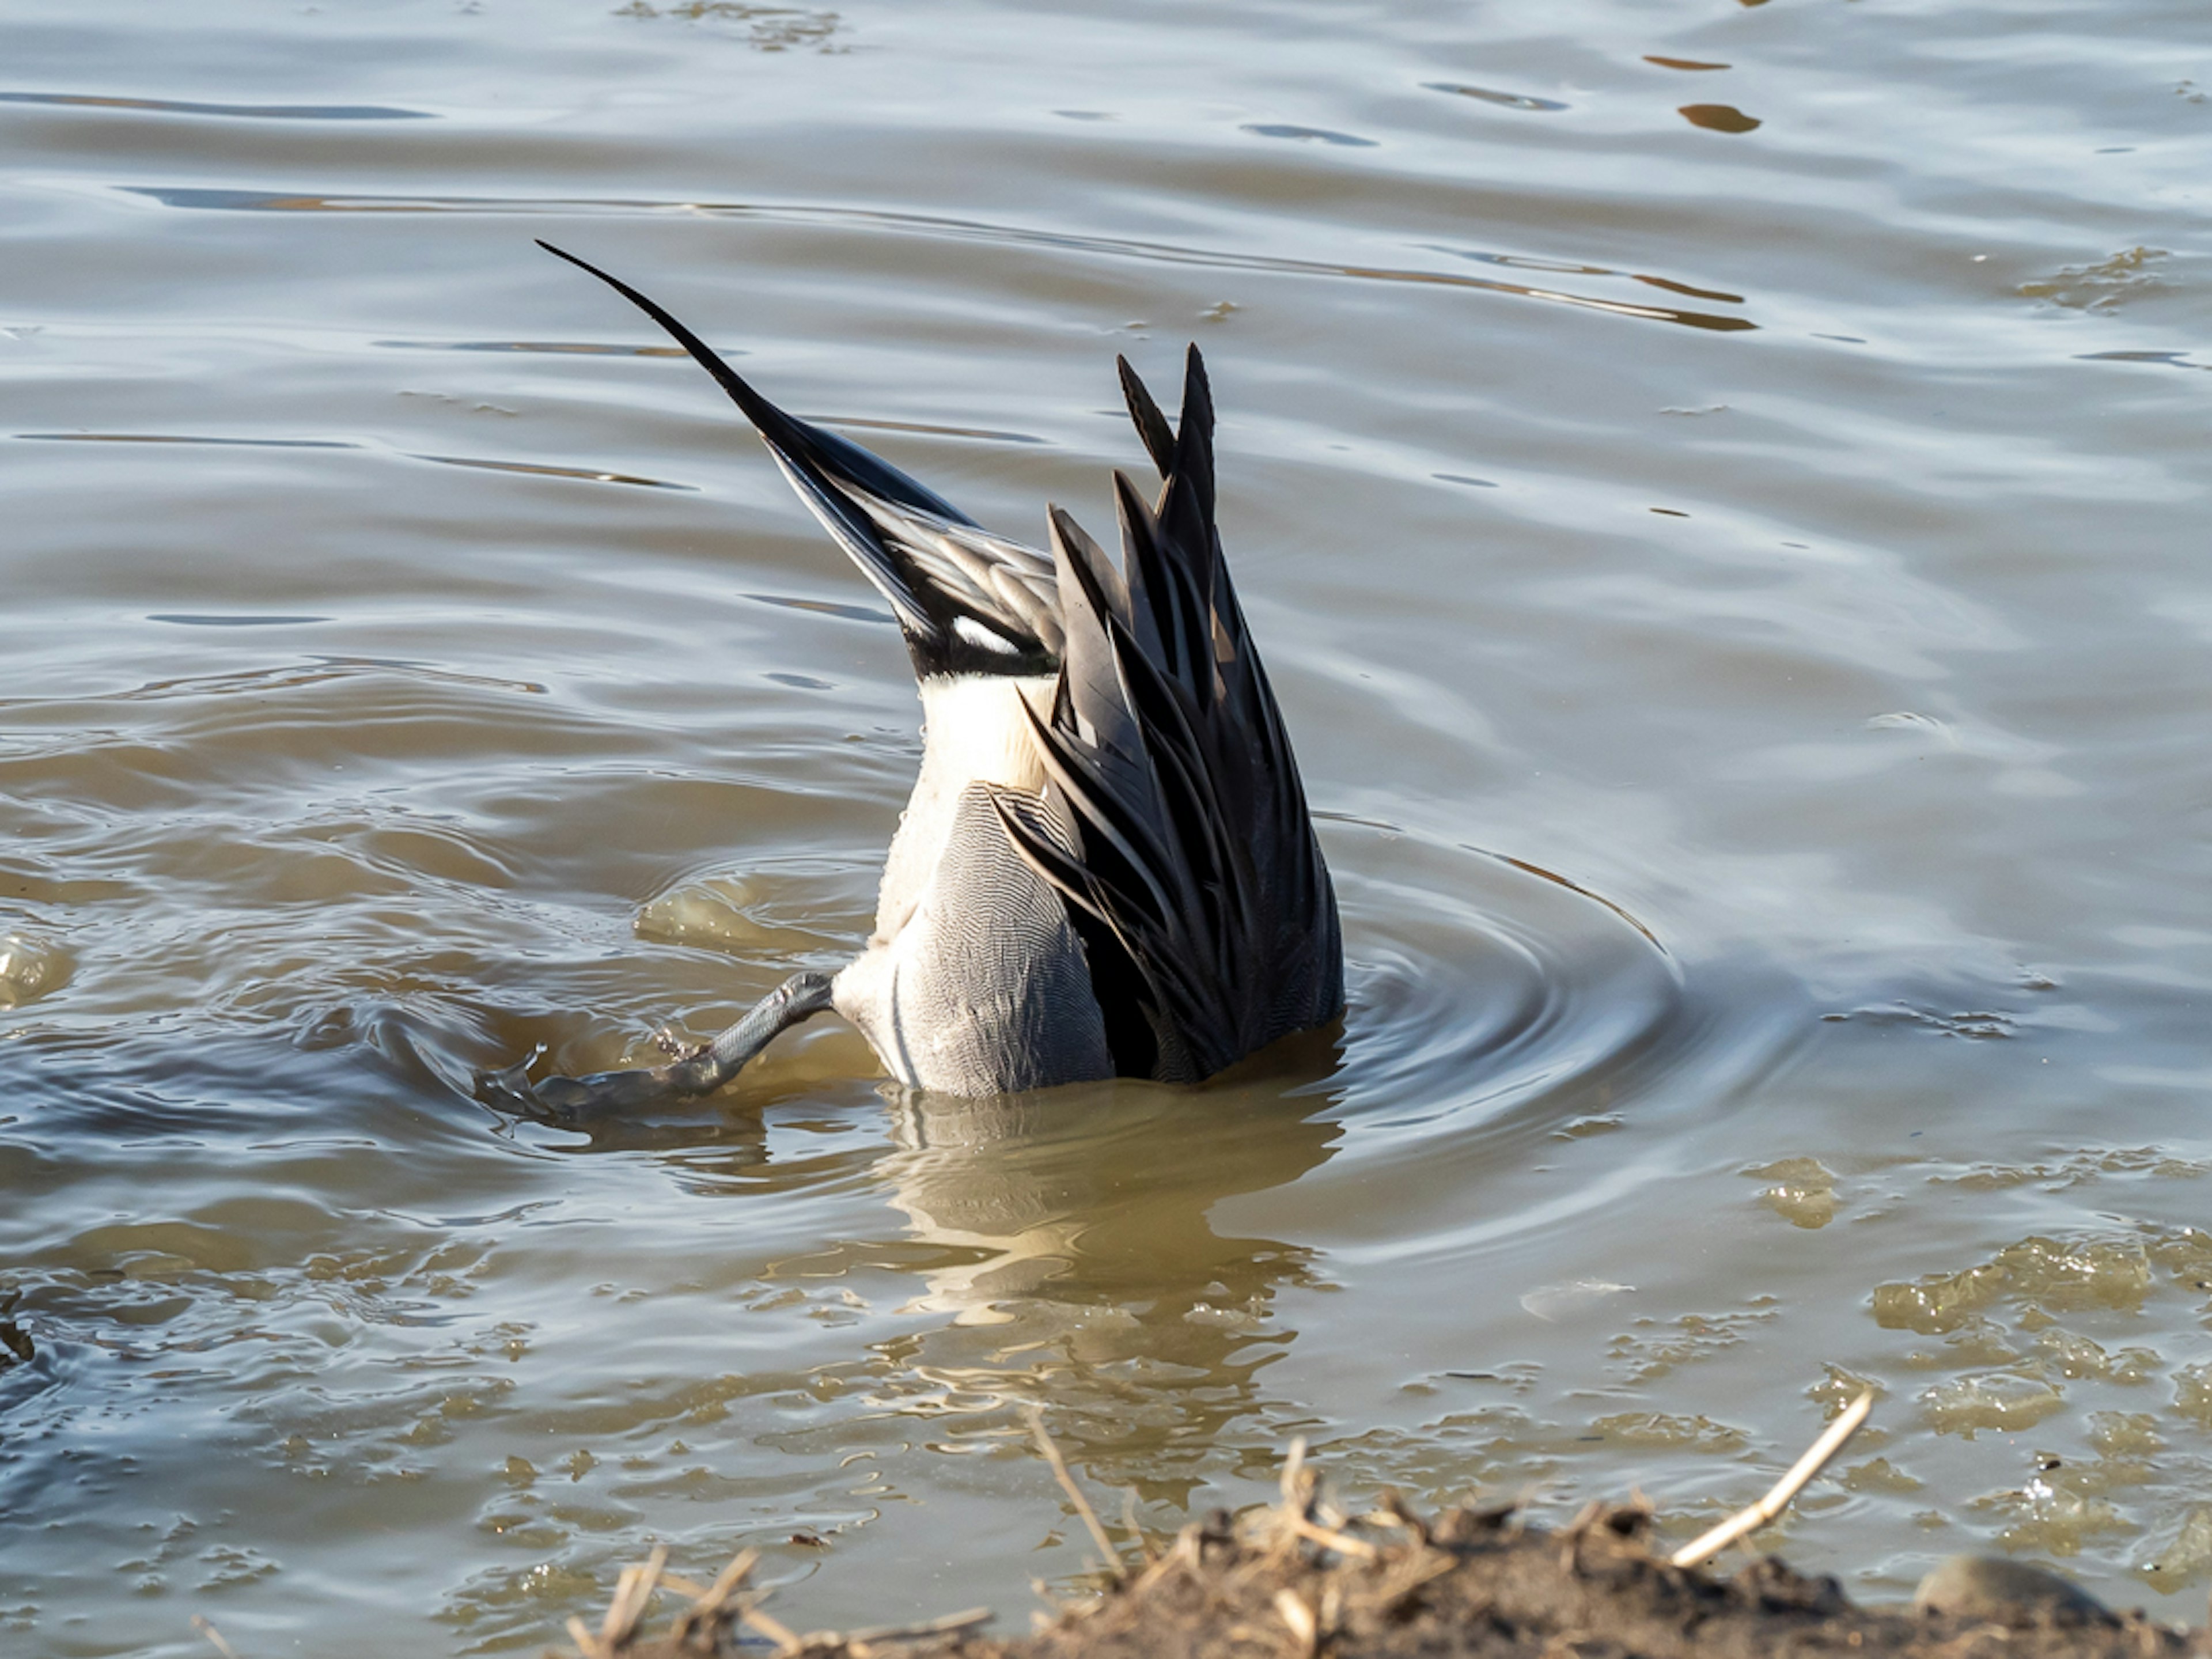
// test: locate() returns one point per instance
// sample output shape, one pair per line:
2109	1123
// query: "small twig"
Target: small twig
610	1621
945	1627
1161	1567
586	1644
633	1594
1190	1545
201	1624
1133	1522
706	1604
1300	1618
1396	1506
1571	1553
727	1581
786	1639
1777	1499
1112	1557
1436	1567
1298	1494
1342	1543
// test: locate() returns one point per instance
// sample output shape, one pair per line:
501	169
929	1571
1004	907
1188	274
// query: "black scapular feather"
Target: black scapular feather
1197	885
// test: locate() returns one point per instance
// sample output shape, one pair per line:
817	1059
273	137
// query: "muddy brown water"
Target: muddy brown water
1723	493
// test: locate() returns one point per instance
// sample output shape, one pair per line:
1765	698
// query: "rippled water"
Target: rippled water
1722	489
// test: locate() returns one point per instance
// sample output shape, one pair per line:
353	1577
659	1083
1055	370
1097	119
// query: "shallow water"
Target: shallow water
1722	490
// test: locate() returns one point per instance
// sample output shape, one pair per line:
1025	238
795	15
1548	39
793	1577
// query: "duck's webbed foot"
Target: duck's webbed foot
573	1101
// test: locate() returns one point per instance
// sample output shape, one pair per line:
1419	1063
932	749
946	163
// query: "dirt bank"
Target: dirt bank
1479	1585
1299	1581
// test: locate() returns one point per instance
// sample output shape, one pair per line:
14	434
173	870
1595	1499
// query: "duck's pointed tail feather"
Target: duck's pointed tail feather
968	601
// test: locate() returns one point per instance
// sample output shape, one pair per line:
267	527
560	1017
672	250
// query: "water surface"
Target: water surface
1722	492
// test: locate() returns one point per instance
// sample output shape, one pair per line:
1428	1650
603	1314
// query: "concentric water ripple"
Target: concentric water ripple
1713	490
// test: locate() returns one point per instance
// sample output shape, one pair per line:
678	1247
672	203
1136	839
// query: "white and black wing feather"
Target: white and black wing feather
969	602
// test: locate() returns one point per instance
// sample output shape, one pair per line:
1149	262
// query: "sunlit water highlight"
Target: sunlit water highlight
1722	491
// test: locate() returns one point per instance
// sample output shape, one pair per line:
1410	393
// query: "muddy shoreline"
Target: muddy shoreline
1302	1579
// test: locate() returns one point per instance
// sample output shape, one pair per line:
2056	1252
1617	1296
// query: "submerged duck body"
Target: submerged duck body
1107	867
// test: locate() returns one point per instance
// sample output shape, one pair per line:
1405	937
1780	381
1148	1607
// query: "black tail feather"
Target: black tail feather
1152	425
840	458
942	573
1200	882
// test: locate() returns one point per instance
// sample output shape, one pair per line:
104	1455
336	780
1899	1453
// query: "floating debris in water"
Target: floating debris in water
16	1347
2187	1557
1996	1400
1804	1193
1492	95
2192	1393
1877	1474
1650	1349
31	968
1672	1432
767	28
2044	1274
2081	1358
1985	1024
1598	1123
2079	1169
1719	118
1552	1302
2102	286
1284	129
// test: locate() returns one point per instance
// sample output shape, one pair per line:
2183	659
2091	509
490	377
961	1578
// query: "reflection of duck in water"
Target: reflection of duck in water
1080	1246
1106	868
1072	1198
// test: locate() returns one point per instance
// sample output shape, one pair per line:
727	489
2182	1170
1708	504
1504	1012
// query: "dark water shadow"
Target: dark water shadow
252	201
249	111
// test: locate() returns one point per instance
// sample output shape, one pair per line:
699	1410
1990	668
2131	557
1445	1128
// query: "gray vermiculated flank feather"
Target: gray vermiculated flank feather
993	994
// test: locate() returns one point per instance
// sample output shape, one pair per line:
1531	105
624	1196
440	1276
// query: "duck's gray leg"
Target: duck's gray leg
574	1100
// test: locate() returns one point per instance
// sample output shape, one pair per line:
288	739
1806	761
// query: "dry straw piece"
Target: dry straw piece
1107	1553
1705	1548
